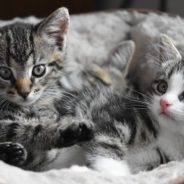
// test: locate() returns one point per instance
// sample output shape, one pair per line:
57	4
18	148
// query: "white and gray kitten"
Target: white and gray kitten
136	128
141	131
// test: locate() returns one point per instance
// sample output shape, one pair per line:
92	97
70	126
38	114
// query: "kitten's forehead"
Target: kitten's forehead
19	42
176	82
174	68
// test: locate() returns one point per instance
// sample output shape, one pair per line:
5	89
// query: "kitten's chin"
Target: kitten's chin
30	100
163	117
26	103
166	116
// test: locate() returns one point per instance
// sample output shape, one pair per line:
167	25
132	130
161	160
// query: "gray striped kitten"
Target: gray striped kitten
31	63
136	128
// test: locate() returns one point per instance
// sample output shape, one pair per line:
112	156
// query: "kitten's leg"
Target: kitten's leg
13	153
76	132
39	135
107	151
108	157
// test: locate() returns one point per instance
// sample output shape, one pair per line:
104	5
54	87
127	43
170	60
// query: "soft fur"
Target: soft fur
131	125
163	23
31	62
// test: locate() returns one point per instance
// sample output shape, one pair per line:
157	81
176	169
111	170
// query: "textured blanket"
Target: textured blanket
80	175
91	38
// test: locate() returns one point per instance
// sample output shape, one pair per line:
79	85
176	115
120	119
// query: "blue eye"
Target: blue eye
39	70
5	73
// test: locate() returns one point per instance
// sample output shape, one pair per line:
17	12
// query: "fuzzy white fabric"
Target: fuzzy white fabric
81	175
91	38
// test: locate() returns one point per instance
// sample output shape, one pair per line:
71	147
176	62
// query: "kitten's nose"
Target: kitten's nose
164	104
24	94
23	86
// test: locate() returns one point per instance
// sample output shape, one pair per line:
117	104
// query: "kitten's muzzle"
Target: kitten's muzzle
24	94
23	87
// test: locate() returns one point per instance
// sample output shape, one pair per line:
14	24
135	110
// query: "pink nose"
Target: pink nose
164	104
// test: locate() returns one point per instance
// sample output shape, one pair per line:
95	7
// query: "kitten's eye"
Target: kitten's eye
5	73
162	87
39	70
181	96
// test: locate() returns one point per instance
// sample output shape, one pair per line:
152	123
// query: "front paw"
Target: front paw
76	133
13	153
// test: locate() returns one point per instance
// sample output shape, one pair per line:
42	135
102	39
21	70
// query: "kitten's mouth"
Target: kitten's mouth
23	102
165	114
26	103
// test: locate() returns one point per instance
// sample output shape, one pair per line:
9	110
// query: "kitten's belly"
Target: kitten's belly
66	157
140	159
165	148
172	145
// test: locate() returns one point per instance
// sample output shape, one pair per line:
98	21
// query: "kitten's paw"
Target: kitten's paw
75	133
86	132
110	166
13	153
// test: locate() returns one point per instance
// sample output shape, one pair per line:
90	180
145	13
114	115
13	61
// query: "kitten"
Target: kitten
32	58
136	128
142	130
108	73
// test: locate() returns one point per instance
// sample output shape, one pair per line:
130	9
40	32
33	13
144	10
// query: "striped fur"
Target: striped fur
131	129
28	114
131	134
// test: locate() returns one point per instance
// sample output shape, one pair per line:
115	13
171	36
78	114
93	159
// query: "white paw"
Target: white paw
79	168
110	166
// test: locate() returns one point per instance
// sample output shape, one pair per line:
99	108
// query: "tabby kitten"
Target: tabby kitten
31	63
136	129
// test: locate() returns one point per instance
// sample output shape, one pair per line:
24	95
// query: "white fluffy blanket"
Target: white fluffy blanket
90	40
80	175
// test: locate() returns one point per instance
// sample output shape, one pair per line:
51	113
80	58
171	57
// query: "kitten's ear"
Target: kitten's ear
54	28
167	50
121	56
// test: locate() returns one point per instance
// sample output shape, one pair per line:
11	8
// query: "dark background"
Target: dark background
41	8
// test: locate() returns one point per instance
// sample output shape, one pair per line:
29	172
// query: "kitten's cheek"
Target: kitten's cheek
33	96
10	96
155	109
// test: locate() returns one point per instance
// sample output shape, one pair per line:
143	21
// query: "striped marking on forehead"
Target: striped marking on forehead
175	85
174	68
20	43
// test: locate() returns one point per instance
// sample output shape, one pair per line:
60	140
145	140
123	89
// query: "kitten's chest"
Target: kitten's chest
45	113
172	145
167	147
39	112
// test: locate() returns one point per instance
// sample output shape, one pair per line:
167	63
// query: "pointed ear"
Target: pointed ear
121	56
119	59
167	51
54	28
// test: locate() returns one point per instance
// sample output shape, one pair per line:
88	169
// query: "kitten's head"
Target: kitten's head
31	57
166	90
